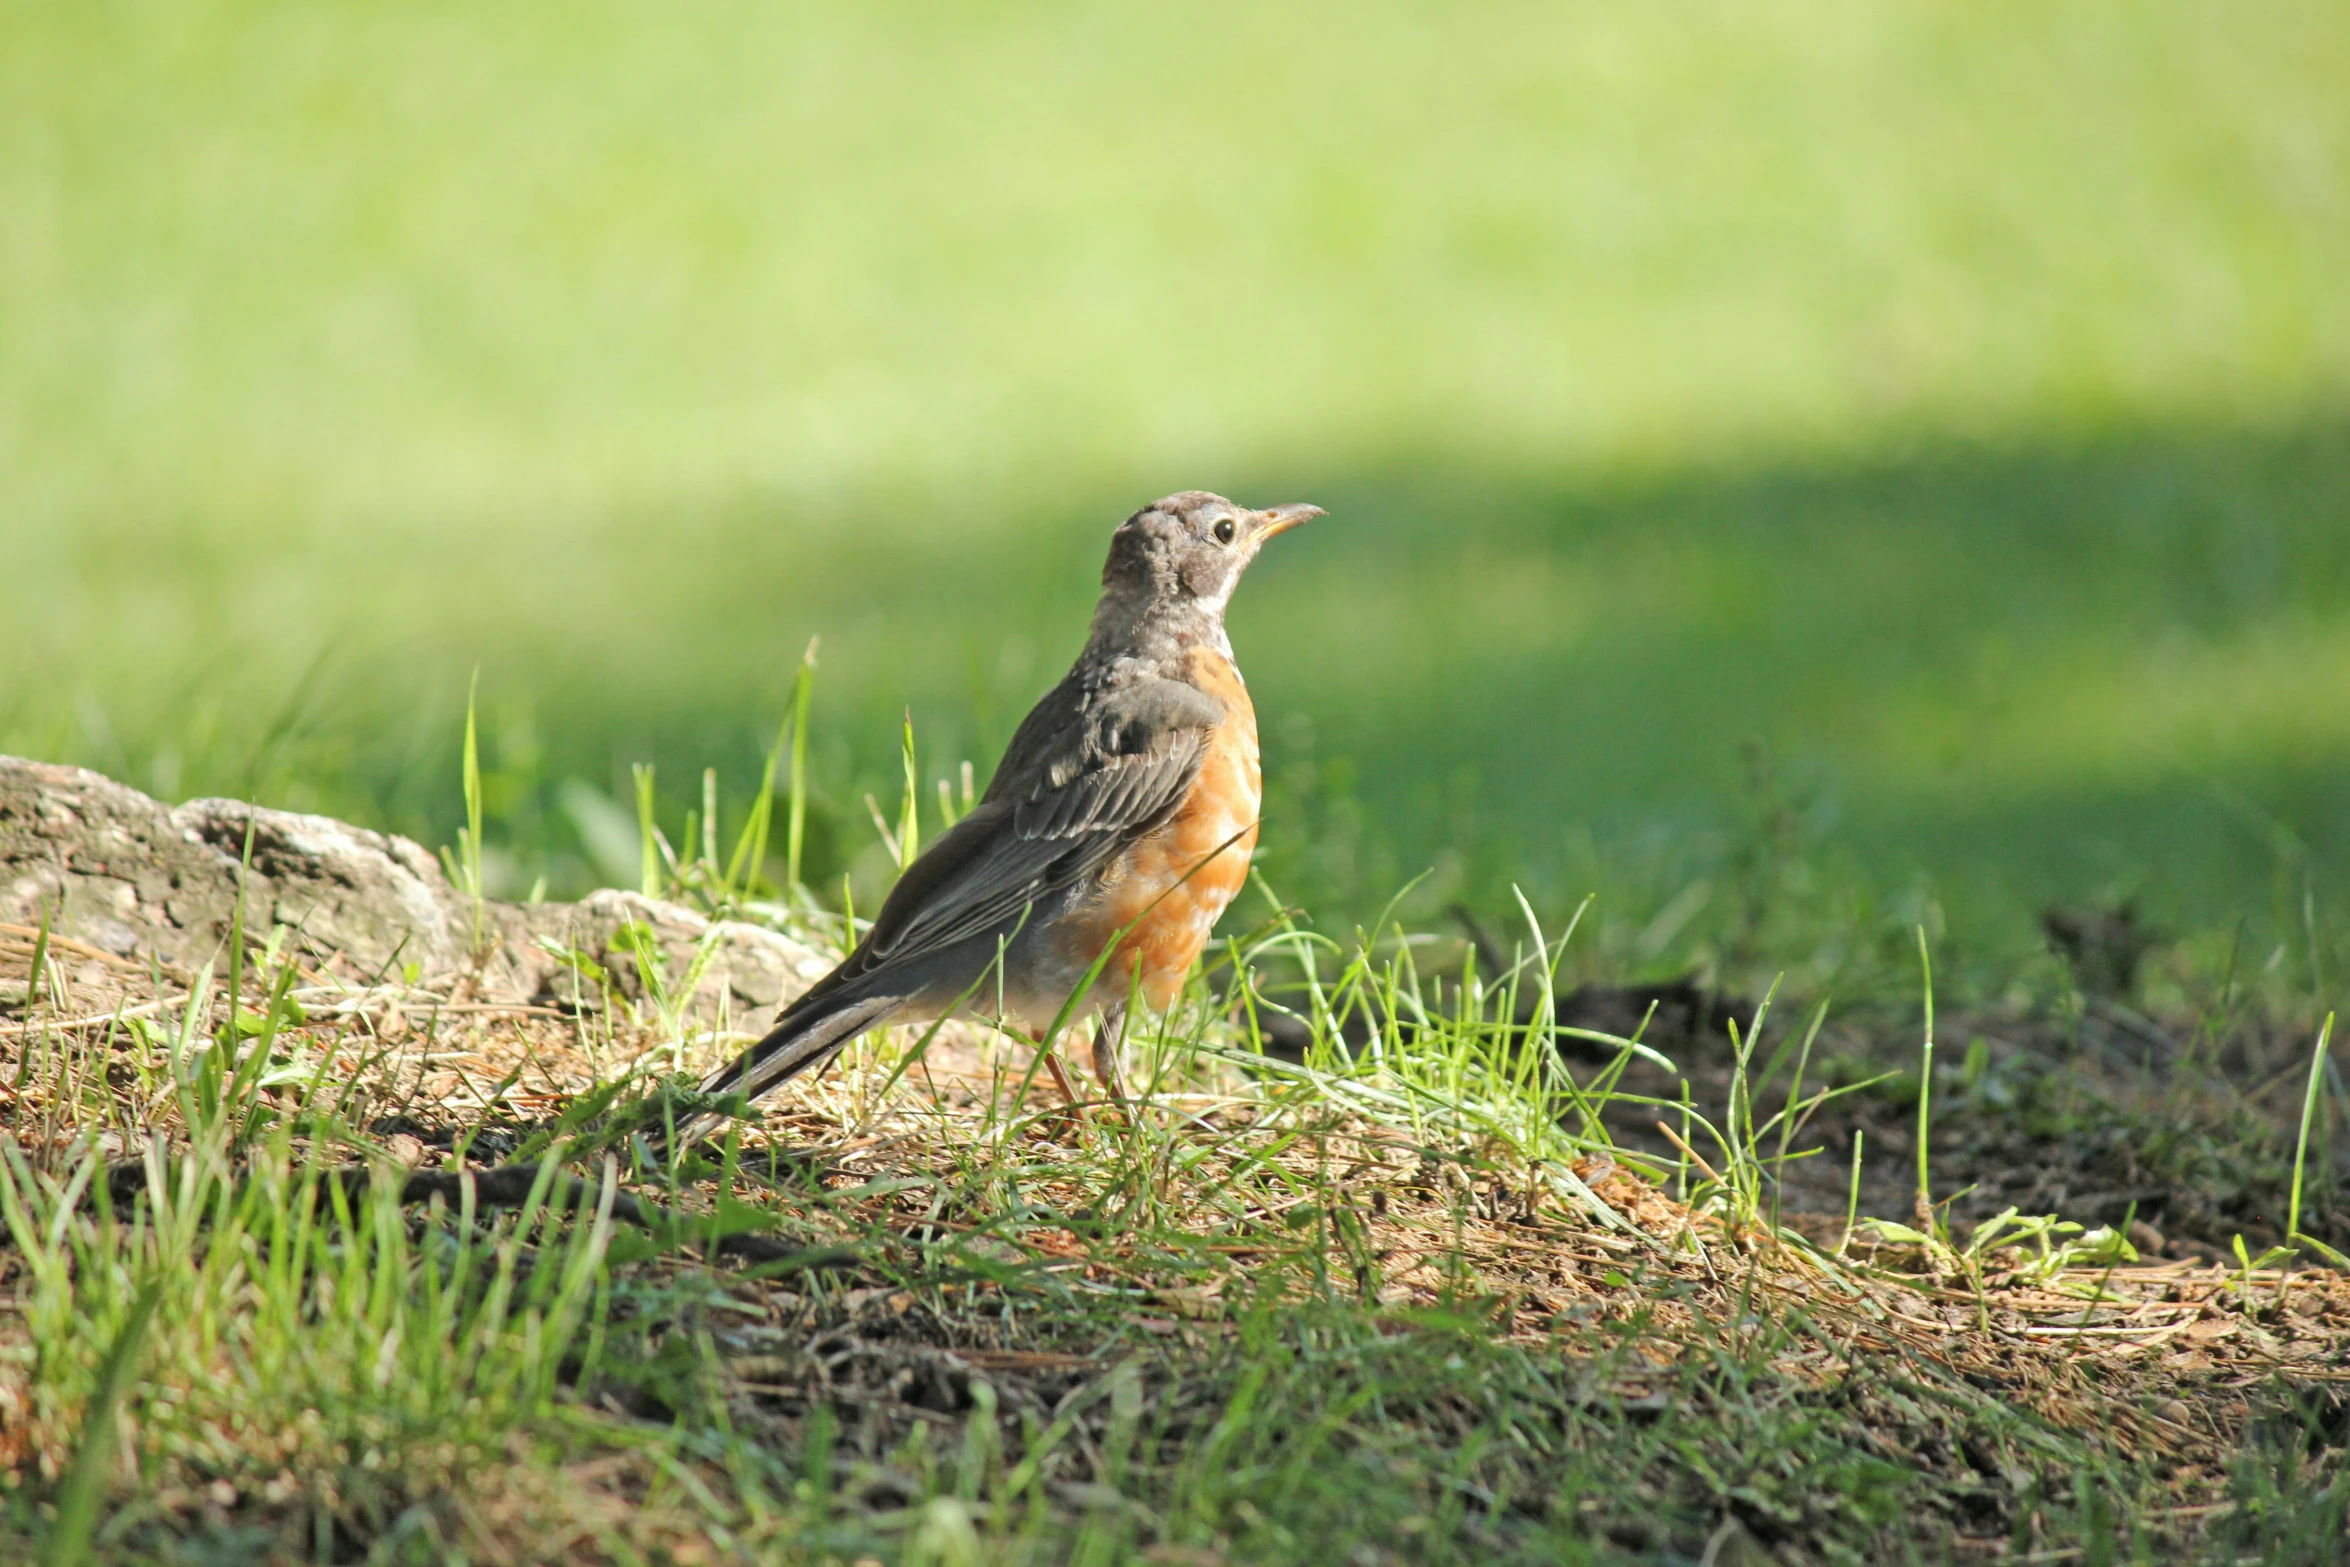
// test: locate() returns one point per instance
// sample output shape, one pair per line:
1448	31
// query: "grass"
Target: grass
1822	480
1651	360
1413	1294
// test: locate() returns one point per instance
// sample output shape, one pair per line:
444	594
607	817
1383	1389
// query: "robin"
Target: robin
1125	811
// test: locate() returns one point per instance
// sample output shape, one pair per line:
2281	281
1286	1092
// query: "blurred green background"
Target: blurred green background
1890	458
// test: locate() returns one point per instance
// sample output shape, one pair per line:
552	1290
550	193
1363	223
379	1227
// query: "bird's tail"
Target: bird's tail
808	1035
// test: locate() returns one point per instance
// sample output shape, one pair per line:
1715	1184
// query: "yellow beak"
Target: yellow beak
1280	519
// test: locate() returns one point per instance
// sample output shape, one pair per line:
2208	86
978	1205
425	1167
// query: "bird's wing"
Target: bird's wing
1106	768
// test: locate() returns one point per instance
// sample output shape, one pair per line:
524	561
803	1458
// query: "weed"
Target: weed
1925	1194
2318	1059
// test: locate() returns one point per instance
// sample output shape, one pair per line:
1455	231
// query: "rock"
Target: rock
139	879
376	900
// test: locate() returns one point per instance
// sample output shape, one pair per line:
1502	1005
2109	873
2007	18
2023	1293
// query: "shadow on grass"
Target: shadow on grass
2016	673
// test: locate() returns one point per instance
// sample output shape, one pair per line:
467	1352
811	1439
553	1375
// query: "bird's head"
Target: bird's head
1178	559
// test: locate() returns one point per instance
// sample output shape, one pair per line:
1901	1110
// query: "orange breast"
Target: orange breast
1178	881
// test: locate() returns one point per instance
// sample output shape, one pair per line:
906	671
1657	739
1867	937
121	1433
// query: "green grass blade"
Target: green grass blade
473	804
32	994
795	830
910	810
1925	1201
2317	1066
708	842
750	848
649	834
68	1542
1787	1111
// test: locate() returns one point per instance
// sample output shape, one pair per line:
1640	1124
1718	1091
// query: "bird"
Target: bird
1123	814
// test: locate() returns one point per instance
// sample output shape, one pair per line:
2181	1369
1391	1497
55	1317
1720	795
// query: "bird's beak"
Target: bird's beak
1280	519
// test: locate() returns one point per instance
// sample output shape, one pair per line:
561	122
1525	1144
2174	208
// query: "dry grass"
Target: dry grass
1265	1313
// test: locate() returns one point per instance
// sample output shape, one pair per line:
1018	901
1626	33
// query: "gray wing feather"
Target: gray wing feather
1132	761
1068	834
1106	765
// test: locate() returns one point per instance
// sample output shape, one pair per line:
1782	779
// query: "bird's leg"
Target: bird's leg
1109	1042
1061	1081
1052	1064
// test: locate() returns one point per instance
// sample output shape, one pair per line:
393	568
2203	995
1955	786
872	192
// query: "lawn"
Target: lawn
1948	402
322	1256
1831	486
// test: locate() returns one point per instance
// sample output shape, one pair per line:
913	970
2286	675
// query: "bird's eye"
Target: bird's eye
1224	530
